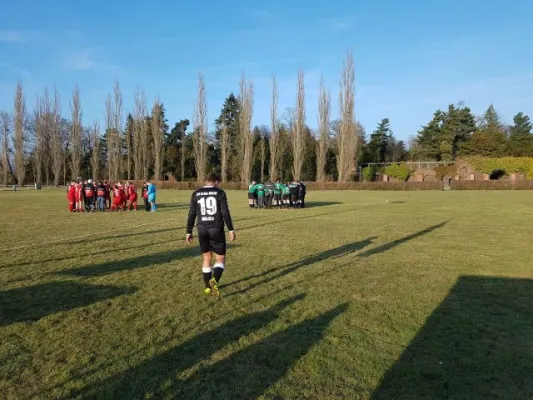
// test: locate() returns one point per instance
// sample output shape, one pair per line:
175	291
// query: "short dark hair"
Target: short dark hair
212	177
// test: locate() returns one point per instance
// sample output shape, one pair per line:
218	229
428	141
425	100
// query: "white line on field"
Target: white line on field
81	236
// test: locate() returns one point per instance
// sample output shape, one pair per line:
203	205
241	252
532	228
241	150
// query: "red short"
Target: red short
133	198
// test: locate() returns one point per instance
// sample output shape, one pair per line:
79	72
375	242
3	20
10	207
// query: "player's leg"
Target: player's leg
218	246
207	271
205	248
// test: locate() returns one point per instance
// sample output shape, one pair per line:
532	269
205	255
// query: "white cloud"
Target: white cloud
11	37
340	24
87	60
82	60
24	73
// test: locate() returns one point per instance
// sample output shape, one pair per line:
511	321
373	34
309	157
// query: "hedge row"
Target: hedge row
493	185
399	186
455	185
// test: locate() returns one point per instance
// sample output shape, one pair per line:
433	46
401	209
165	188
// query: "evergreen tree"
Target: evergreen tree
380	142
174	142
490	139
446	135
521	138
229	117
428	139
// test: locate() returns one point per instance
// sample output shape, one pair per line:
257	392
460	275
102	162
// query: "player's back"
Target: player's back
210	207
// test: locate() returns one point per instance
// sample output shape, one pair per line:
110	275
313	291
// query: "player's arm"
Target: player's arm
191	218
224	210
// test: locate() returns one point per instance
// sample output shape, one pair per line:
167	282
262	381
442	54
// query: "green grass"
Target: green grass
363	295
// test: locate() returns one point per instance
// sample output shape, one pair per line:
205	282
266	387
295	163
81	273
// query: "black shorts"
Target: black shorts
212	240
251	196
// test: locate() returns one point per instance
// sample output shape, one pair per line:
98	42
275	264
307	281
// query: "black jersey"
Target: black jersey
210	206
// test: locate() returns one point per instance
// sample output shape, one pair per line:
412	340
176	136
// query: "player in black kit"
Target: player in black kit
209	205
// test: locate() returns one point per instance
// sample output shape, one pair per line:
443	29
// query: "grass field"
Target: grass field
362	295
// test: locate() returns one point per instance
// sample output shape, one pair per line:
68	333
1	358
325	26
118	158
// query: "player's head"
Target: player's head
212	179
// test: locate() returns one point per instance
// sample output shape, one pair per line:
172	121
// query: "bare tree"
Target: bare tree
140	141
56	139
224	151
247	108
262	145
157	134
324	107
347	137
200	131
298	131
117	128
110	137
39	150
5	126
47	116
20	138
274	134
113	117
76	133
95	146
183	153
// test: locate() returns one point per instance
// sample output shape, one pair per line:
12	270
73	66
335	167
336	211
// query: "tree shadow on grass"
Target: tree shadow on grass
172	206
79	255
299	217
141	232
128	264
478	344
249	373
387	246
35	302
288	269
158	376
313	204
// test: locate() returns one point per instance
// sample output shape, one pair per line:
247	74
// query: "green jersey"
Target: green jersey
269	189
277	188
252	188
285	189
260	189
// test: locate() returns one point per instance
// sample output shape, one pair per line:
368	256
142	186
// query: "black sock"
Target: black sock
217	273
207	277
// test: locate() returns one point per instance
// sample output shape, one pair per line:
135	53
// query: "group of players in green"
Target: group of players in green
278	194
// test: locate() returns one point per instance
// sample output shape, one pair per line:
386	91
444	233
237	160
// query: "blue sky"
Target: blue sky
412	57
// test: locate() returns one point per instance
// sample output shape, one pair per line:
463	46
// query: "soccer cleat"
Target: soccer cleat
207	290
214	287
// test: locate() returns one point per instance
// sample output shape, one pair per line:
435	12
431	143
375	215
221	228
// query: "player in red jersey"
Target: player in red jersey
79	197
71	196
107	194
132	196
123	196
117	198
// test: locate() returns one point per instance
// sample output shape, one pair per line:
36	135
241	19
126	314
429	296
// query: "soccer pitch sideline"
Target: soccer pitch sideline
362	295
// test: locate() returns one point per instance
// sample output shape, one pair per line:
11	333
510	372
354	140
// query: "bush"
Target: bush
506	164
399	171
370	172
